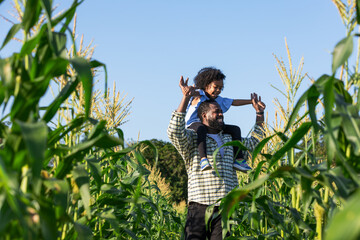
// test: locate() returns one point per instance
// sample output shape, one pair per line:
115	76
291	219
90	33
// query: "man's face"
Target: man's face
214	89
214	117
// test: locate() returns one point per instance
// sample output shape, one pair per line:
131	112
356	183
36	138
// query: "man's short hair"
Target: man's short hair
204	107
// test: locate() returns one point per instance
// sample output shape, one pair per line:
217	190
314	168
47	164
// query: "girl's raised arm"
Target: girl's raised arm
241	102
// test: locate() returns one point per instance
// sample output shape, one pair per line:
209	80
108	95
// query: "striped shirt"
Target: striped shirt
206	187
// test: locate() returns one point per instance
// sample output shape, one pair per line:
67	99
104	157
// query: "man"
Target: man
206	187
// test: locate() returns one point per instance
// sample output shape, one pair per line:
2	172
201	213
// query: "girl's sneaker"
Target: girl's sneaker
204	164
241	165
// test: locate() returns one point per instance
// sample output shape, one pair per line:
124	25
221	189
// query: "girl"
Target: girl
210	83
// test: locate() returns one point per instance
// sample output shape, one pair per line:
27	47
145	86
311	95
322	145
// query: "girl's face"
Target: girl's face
214	89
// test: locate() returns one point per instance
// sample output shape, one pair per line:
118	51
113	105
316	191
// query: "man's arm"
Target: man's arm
259	107
258	131
188	92
178	135
255	137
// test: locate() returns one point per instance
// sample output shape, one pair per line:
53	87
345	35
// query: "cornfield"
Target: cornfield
66	172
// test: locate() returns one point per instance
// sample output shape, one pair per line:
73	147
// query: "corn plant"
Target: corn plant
286	194
325	208
67	177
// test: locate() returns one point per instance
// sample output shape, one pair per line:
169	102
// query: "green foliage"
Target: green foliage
315	193
75	180
172	168
78	181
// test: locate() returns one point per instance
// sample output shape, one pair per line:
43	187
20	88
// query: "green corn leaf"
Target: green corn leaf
6	213
43	51
310	93
136	196
344	186
121	153
80	150
235	143
282	136
95	64
208	213
120	134
346	222
258	169
82	181
305	172
68	14
254	221
60	189
10	183
357	2
236	195
83	70
77	153
109	216
225	227
260	146
230	202
108	141
35	137
83	231
46	5
307	193
350	124
95	170
232	143
2	94
291	143
312	99
54	68
63	95
294	114
12	32
61	131
295	215
59	44
342	52
342	94
152	146
329	99
283	172
100	128
31	14
47	221
214	159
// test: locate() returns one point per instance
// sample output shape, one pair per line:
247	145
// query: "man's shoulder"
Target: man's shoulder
177	125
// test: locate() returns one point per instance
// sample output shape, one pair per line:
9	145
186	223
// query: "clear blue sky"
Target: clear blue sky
148	45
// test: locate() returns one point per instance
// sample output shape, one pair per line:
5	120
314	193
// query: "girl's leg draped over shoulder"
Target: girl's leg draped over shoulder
201	138
235	133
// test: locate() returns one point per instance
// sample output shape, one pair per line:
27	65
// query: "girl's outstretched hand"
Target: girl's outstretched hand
187	91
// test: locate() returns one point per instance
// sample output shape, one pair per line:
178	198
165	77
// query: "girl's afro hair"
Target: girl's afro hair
206	76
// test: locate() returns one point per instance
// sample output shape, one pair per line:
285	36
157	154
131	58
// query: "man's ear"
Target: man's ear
203	115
